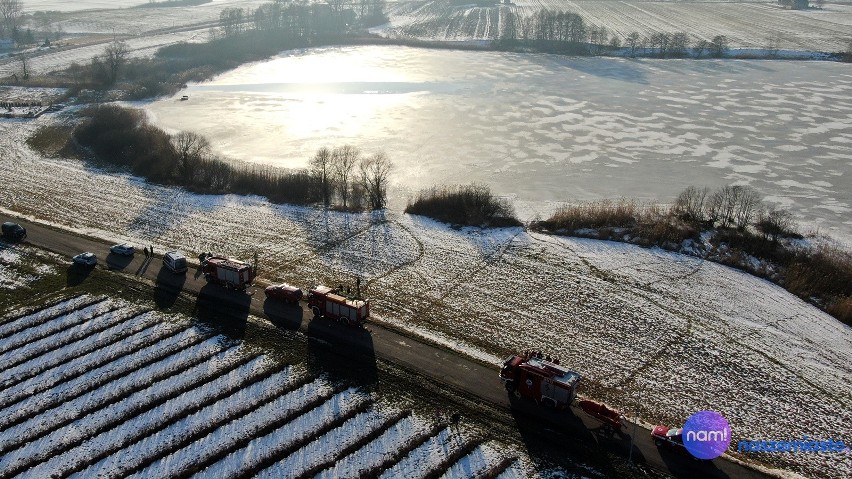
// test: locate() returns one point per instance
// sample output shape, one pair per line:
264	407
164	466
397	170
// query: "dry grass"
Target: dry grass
821	275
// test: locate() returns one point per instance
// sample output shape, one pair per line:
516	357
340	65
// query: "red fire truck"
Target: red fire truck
328	303
227	272
546	382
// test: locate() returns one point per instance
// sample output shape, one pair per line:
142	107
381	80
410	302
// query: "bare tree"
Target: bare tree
660	41
774	223
231	21
375	171
109	64
633	42
678	44
191	149
718	45
11	11
321	165
25	70
343	159
690	203
748	206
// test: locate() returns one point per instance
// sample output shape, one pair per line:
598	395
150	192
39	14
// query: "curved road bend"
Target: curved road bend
449	367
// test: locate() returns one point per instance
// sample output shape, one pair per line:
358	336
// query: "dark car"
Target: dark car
85	259
123	249
14	231
284	292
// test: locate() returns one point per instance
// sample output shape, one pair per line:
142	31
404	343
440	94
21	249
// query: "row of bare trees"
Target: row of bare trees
353	178
570	30
300	19
732	206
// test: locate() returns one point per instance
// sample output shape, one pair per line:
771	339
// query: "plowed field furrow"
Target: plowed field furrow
323	444
18	323
97	375
160	374
382	452
429	456
13	346
270	448
381	425
61	356
136	427
171	452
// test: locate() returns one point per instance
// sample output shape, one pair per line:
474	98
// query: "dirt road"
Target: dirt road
450	368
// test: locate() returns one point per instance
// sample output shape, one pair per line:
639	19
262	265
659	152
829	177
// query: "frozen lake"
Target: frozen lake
544	129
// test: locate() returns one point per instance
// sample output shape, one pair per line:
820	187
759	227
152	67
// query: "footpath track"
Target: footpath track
452	369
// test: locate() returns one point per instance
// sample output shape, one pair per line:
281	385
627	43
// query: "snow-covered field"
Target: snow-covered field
97	387
21	266
546	128
690	335
745	24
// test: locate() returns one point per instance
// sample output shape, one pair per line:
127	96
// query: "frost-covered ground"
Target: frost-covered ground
689	334
97	387
544	128
745	24
21	266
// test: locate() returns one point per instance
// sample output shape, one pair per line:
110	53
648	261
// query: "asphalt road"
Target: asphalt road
450	368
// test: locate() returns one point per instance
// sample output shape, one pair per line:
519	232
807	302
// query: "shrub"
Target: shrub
596	214
470	205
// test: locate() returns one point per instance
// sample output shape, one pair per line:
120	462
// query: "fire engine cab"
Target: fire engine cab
326	302
546	382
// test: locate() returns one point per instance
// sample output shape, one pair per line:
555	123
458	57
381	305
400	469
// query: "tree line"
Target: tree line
341	177
556	30
301	20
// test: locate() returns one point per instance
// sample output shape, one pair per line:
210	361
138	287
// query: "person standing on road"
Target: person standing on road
146	251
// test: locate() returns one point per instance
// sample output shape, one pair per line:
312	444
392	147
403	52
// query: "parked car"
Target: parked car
175	261
123	249
86	259
670	437
14	231
284	292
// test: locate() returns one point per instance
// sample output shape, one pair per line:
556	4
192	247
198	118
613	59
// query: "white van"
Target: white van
175	261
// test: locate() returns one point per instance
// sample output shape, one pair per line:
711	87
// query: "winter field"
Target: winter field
542	129
98	387
688	334
745	24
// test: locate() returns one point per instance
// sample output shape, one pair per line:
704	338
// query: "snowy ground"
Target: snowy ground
21	266
745	24
689	334
101	388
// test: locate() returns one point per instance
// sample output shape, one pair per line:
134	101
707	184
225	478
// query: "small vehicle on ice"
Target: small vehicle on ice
284	292
123	249
85	259
14	231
